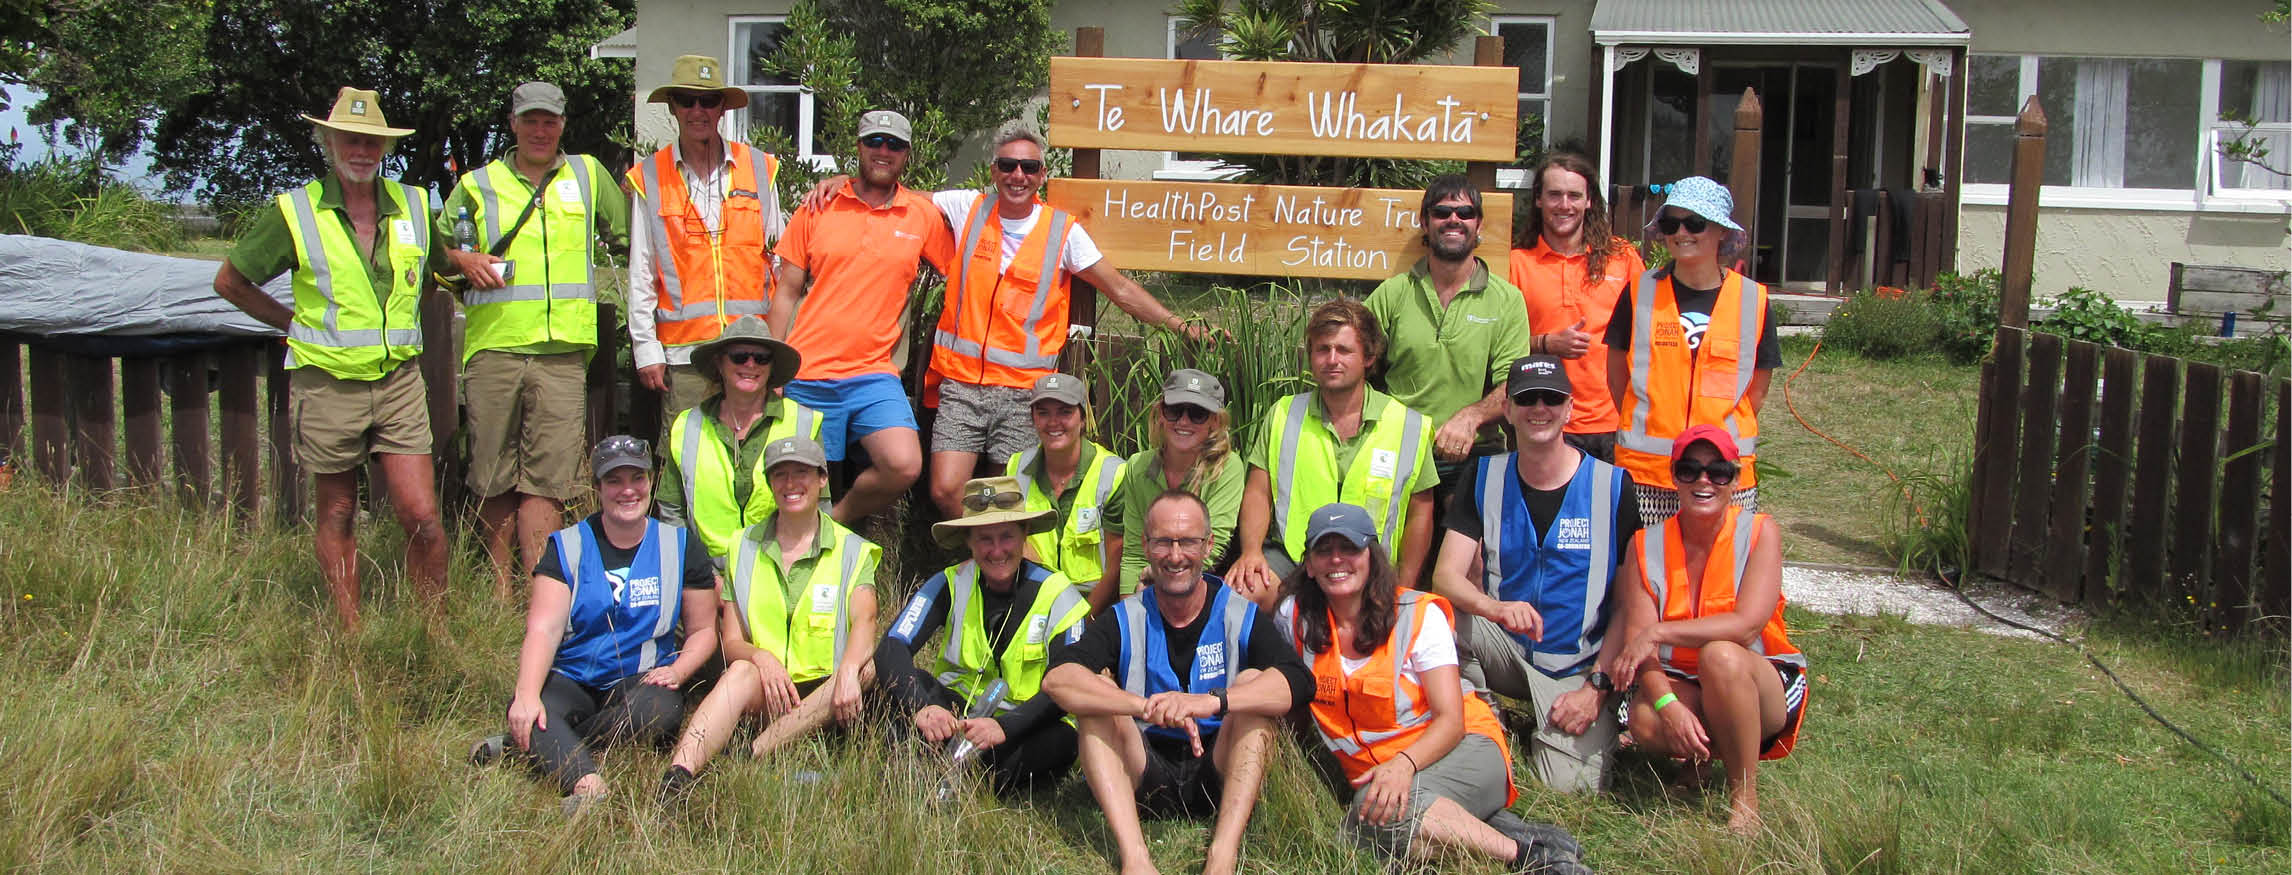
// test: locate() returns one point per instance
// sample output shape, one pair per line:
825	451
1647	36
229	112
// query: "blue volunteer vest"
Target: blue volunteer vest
1564	572
1145	667
614	632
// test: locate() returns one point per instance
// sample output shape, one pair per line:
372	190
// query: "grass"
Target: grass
177	703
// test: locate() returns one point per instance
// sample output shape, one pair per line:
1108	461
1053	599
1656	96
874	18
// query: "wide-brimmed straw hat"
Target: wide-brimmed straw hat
989	501
357	111
699	73
748	329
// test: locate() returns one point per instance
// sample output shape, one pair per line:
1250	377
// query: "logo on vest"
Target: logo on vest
823	598
405	231
1085	519
911	619
1036	629
644	592
1382	463
1573	534
1210	660
1326	690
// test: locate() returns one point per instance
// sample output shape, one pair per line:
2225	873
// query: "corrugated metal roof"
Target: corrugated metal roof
1736	22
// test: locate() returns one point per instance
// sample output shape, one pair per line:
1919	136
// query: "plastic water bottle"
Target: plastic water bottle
465	231
960	749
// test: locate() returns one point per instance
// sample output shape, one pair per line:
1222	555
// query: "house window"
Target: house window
2260	92
775	102
1178	46
1528	46
2112	124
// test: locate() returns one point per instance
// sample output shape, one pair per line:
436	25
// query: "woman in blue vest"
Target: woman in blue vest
603	658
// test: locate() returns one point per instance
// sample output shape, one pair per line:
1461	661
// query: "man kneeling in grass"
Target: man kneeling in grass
801	590
1203	674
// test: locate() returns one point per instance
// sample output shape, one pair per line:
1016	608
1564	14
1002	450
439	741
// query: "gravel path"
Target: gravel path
1835	589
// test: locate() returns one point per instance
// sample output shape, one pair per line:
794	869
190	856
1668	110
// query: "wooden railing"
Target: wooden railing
2106	478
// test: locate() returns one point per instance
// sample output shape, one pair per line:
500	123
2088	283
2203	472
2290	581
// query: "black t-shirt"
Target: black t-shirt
1101	648
1694	316
1002	613
699	572
1544	505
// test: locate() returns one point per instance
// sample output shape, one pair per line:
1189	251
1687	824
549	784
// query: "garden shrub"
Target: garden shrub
1882	327
1966	309
2090	316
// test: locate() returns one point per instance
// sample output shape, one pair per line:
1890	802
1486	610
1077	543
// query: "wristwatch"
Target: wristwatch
1601	682
1222	704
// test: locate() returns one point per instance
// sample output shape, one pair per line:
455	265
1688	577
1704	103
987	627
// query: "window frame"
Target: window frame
1188	169
1551	25
807	108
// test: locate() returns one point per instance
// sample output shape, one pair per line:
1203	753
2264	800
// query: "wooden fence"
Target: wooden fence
210	422
2106	478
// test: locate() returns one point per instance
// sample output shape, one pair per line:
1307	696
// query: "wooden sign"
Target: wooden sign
1265	230
1285	108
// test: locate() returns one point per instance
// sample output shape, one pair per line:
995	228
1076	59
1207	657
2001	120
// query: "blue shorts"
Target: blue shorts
853	408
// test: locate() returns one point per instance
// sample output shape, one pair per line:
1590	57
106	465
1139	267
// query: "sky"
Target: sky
136	170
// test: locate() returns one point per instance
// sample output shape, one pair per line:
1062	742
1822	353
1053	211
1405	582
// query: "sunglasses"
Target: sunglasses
1545	397
1719	473
1672	224
1467	212
688	101
884	141
1030	165
985	498
746	357
622	443
1189	412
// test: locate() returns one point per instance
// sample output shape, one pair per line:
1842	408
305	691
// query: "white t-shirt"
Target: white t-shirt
1080	252
1434	647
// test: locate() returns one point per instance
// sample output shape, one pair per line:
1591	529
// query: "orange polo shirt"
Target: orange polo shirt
861	260
1558	297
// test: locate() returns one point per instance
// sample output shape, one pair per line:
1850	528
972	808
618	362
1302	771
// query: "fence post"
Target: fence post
1743	174
1487	51
287	479
187	417
242	453
94	436
2233	552
603	378
1082	297
1990	518
2196	479
51	427
12	402
139	406
2021	213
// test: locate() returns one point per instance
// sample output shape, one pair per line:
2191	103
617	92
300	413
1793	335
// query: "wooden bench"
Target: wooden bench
2239	297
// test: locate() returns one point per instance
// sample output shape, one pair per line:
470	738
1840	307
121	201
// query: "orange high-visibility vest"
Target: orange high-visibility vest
703	280
1663	561
1373	714
1672	388
1004	326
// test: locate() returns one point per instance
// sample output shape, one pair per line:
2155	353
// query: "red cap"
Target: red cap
1717	436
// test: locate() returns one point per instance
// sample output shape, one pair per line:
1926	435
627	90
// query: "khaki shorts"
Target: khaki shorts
687	388
338	423
1493	661
525	415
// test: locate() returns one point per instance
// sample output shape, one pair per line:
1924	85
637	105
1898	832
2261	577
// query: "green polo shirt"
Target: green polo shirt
668	485
611	222
795	571
1039	472
1142	480
1372	404
1439	360
267	249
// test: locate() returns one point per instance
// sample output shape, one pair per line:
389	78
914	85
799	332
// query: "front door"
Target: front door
1801	110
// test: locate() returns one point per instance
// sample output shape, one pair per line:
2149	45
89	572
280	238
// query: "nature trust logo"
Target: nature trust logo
358	107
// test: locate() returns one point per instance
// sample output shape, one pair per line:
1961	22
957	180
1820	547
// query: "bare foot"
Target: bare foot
1743	814
1142	866
1220	864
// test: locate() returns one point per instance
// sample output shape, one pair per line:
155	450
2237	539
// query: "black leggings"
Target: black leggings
1036	760
581	718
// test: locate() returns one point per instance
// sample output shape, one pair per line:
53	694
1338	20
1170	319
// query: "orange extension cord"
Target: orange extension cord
1803	423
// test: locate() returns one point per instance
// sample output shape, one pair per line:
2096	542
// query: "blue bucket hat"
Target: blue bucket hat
1703	197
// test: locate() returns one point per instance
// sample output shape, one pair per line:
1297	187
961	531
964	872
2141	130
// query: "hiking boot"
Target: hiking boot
676	786
489	750
1544	848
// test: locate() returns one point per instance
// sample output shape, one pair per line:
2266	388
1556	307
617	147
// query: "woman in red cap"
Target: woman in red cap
1717	675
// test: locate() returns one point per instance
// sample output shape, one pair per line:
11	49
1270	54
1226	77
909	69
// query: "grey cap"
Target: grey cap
795	449
1348	521
884	121
536	95
1058	387
1189	386
1532	372
620	451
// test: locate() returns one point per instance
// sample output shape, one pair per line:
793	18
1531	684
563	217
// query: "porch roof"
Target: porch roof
1867	23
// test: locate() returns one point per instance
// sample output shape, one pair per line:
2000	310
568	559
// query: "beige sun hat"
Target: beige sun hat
748	329
357	111
988	501
699	73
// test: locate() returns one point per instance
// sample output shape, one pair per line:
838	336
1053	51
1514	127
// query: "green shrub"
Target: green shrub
1882	327
2090	316
2267	353
1966	309
76	200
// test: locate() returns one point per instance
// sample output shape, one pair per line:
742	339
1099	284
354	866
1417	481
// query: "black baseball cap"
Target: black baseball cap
1533	372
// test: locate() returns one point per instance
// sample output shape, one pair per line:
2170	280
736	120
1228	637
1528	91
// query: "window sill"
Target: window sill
1200	172
2151	200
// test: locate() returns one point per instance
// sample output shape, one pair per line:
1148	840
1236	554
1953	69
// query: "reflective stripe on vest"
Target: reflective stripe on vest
967	664
342	324
717	515
583	649
1656	543
1397	430
1144	663
1036	357
770	623
1078	547
552	254
696	257
1541	565
1643	445
1360	748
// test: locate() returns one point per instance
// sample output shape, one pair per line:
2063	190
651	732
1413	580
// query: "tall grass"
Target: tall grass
1927	518
76	200
1256	350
